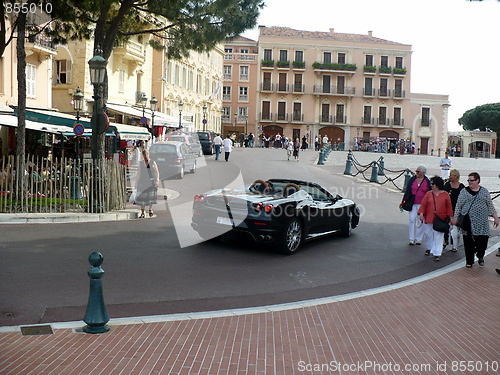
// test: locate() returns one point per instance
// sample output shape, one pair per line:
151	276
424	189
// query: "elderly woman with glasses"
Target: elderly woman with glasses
475	201
417	186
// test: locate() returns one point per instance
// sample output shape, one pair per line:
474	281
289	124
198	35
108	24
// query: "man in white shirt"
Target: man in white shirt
325	140
217	144
228	146
445	165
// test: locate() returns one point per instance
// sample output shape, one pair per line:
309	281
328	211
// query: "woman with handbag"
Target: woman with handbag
147	183
453	186
417	186
435	207
475	203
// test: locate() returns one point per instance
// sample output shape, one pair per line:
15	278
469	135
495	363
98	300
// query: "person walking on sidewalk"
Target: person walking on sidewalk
217	145
147	183
417	186
228	147
445	165
453	186
475	201
435	202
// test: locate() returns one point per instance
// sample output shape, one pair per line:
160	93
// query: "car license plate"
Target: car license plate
224	220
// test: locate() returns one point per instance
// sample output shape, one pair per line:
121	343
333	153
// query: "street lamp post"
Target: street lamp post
246	123
235	120
153	103
144	100
97	66
181	105
204	108
78	105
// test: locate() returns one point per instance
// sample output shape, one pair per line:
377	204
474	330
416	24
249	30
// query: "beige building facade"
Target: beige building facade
355	89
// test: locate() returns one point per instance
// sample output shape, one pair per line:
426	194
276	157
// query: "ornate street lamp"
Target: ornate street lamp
153	103
204	108
97	66
181	105
144	100
78	105
235	120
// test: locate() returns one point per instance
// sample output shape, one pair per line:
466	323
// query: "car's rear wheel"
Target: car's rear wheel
192	170
346	229
181	173
291	238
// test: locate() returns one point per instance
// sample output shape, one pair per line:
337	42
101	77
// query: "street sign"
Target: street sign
78	129
204	121
144	120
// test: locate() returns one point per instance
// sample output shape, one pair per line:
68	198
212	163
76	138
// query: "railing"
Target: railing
382	121
228	77
298	117
368	92
243	98
226	97
243	77
42	40
336	90
61	185
266	86
266	116
297	87
398	93
398	121
282	87
384	92
367	120
325	118
340	119
282	117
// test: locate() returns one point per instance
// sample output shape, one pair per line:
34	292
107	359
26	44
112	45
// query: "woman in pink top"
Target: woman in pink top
437	201
418	185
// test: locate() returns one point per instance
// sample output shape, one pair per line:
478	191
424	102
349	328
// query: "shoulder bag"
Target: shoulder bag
463	221
408	204
439	225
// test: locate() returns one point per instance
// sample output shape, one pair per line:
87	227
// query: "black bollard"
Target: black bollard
96	316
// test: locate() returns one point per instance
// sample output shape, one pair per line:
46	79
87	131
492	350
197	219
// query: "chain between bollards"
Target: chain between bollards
96	315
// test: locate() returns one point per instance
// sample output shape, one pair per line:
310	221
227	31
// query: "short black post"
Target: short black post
96	316
381	170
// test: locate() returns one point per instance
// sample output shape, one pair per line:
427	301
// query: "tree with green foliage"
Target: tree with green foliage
179	26
485	117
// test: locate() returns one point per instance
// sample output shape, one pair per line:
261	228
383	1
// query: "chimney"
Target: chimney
370	33
332	31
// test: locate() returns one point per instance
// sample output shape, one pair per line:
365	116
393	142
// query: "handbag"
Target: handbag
463	221
408	204
439	225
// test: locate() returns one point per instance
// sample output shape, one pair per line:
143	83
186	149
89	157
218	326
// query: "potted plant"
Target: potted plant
283	64
267	62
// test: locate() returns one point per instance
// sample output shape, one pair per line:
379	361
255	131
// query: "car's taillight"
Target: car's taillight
177	160
268	208
199	198
258	207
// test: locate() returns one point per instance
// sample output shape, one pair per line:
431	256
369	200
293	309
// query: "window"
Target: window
398	88
341	58
399	62
367	114
369	60
228	72
297	84
228	50
266	82
397	116
121	80
244	69
281	111
382	115
226	111
383	87
283	55
268	54
282	85
340	84
369	86
297	112
226	93
30	80
327	84
63	71
244	50
339	114
266	110
243	113
327	57
426	116
384	61
299	56
325	112
243	94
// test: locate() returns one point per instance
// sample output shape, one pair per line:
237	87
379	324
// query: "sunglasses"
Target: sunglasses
471	180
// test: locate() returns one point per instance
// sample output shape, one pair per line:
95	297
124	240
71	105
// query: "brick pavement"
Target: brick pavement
446	322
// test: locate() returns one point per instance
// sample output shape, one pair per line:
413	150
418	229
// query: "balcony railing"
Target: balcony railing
365	120
283	64
368	92
226	118
385	69
282	87
130	50
228	77
297	116
42	41
384	92
335	90
267	63
398	121
330	66
243	98
425	122
400	71
243	77
398	93
299	65
340	119
382	121
266	116
266	86
226	97
325	118
282	117
298	87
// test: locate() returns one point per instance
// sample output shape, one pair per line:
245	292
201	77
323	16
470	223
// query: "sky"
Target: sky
455	43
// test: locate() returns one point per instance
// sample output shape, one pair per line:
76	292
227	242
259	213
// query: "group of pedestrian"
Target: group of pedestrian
435	201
